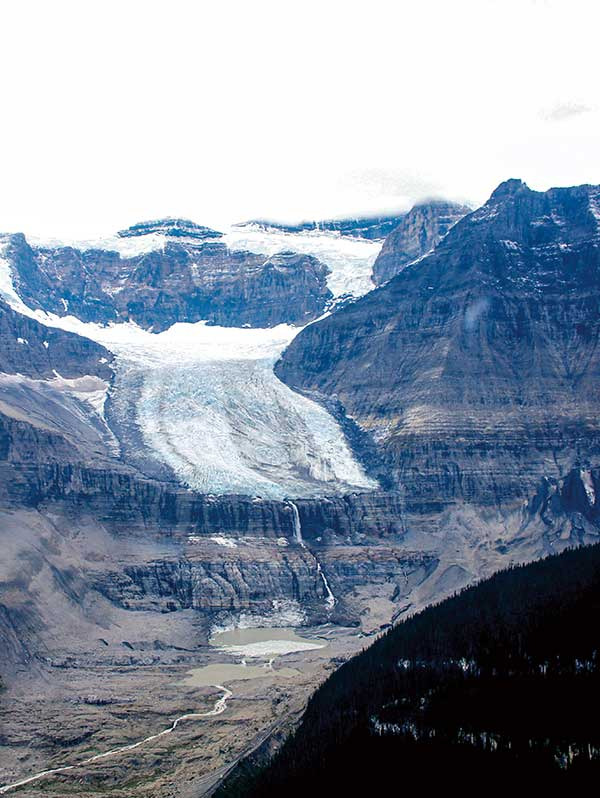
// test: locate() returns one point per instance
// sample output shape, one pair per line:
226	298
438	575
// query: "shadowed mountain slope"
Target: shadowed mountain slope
476	371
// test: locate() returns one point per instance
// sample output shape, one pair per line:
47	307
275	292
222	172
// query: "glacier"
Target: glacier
209	406
205	402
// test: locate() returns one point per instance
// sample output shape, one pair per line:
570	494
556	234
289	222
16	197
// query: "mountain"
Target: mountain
158	273
498	684
369	227
418	232
159	482
53	386
475	372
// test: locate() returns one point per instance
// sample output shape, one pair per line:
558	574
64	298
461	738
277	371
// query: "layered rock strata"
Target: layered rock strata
186	279
475	371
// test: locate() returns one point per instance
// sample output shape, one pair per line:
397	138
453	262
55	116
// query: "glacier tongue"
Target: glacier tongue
230	426
209	406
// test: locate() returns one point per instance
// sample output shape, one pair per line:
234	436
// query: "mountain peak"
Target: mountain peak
509	188
172	227
419	230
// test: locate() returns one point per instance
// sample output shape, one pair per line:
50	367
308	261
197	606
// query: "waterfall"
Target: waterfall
297	525
330	598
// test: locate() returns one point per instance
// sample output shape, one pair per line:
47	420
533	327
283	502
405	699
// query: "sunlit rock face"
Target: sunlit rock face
415	235
475	370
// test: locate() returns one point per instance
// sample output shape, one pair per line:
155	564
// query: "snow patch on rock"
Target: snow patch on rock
588	485
221	540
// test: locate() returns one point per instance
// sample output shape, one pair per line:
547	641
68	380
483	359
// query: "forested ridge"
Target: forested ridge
498	682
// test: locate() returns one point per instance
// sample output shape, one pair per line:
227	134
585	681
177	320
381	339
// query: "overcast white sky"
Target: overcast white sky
112	112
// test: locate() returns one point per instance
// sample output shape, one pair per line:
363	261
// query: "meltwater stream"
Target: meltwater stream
219	707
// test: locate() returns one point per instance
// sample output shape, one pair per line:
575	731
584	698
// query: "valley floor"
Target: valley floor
62	716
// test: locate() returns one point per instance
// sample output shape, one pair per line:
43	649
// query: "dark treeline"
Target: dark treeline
499	682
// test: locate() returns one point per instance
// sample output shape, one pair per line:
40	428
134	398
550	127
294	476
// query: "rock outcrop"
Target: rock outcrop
171	228
476	371
40	352
370	227
418	232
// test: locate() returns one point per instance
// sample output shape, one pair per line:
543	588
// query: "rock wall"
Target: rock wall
475	371
31	349
187	280
127	500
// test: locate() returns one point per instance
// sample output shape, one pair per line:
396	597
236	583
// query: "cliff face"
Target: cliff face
192	276
31	349
419	231
134	505
97	556
476	370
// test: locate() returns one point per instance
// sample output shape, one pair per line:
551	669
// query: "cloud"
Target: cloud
387	189
310	110
562	111
473	312
389	181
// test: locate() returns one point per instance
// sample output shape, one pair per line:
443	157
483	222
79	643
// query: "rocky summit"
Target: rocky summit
198	439
172	228
414	236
